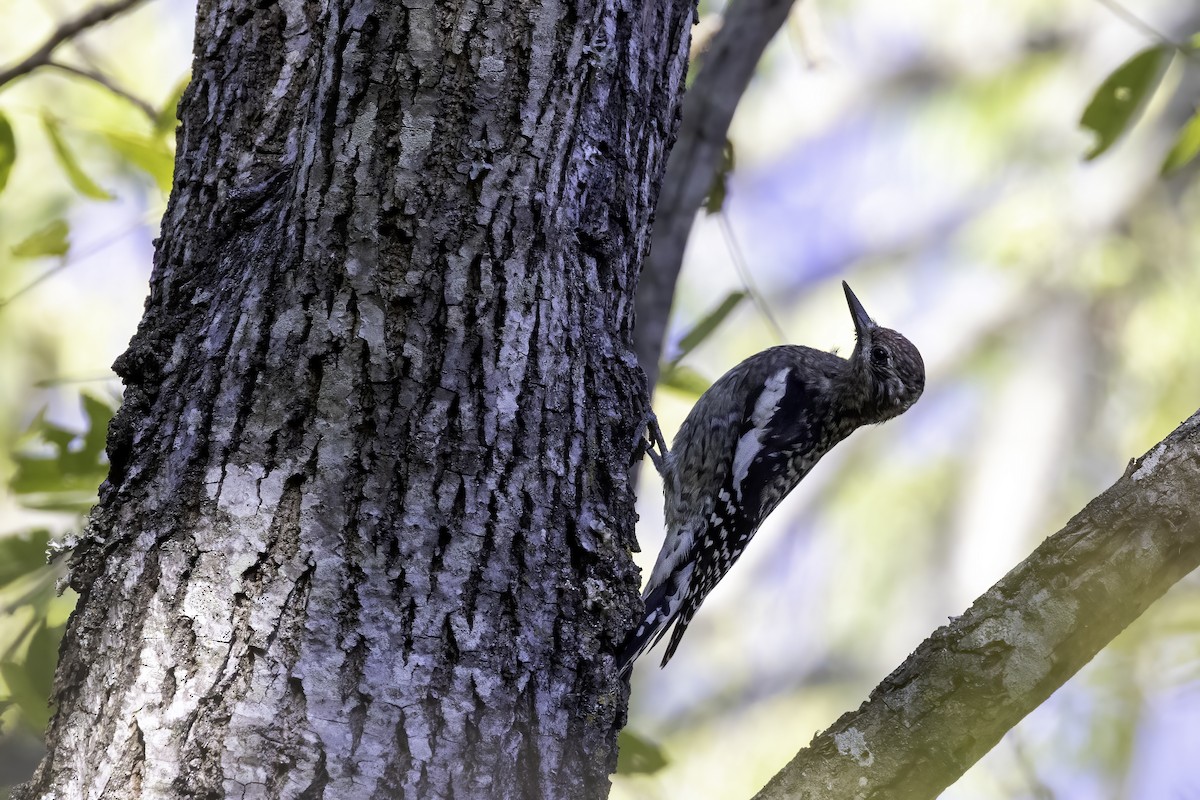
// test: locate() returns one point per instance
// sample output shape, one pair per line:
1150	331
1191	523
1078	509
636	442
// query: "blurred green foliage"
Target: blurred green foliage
8	150
56	470
1055	303
69	163
684	379
50	240
87	153
59	469
638	755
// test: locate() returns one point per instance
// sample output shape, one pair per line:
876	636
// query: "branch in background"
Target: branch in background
66	31
971	681
103	80
728	65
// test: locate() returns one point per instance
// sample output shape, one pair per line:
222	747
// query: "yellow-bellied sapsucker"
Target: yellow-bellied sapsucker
747	442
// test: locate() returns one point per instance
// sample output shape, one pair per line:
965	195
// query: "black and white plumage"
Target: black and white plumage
749	441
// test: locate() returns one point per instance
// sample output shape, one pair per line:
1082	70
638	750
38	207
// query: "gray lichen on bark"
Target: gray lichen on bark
367	526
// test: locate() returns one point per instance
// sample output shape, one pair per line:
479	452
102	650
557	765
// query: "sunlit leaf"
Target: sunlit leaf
720	185
48	241
1186	146
709	323
70	165
684	380
151	155
1119	100
8	150
168	115
638	756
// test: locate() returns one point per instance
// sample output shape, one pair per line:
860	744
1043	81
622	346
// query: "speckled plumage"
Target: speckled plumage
749	441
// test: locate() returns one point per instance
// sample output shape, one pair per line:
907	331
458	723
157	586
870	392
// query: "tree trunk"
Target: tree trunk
367	526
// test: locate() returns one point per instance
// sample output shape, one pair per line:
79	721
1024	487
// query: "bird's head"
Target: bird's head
888	364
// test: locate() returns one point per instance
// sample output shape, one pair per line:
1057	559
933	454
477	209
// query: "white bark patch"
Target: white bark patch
371	323
239	490
851	742
416	134
1149	463
750	445
1031	634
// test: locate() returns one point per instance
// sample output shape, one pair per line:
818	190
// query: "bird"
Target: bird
747	442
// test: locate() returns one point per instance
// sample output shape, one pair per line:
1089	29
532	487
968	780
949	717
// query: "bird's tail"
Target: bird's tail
662	604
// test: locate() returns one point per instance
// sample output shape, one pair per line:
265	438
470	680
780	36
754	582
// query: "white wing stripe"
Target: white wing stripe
749	446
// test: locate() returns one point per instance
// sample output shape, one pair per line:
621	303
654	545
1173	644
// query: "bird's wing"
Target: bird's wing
778	443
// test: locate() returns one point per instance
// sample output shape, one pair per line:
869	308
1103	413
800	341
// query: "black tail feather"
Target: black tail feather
654	625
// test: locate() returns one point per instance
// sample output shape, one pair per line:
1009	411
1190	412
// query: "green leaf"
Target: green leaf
684	380
66	159
49	241
21	620
1120	99
66	478
41	659
720	185
638	756
22	690
168	115
99	413
60	606
709	323
22	554
151	155
1186	146
8	150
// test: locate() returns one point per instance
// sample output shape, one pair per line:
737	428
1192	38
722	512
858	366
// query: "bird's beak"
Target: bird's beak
862	321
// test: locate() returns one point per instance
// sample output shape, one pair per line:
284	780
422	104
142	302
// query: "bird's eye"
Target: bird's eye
880	355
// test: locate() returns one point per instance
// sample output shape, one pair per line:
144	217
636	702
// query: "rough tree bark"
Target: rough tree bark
367	527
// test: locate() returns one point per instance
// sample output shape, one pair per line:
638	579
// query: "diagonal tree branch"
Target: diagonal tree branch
67	30
728	65
103	80
971	681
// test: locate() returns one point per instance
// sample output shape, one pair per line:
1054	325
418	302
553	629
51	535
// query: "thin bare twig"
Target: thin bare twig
64	380
73	259
748	282
66	31
728	64
103	80
1134	21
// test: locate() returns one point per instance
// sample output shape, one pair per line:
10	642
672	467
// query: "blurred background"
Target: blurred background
928	152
